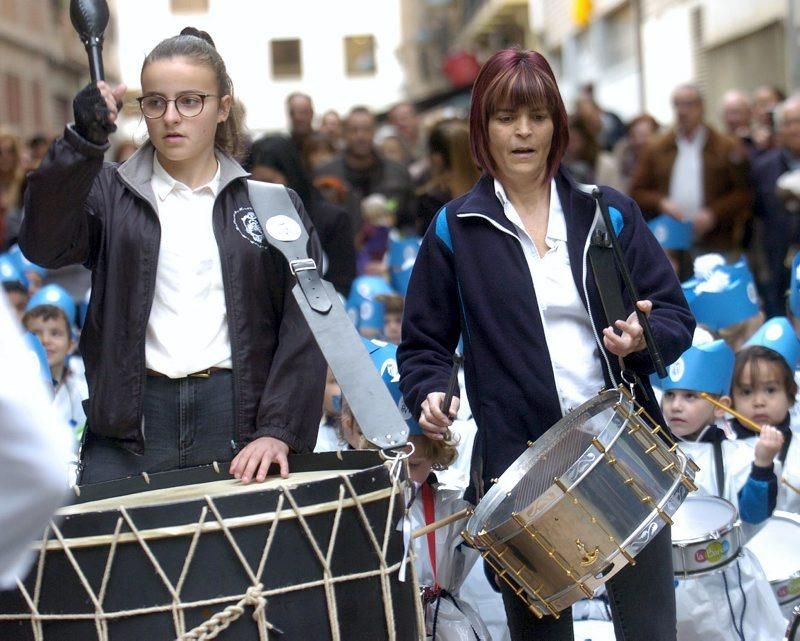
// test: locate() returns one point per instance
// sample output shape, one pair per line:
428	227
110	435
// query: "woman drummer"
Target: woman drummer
195	349
505	267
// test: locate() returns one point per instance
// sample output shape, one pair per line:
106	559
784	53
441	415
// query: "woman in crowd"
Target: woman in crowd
503	267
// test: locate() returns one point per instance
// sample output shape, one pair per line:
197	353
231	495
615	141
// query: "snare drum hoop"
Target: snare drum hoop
576	472
719	567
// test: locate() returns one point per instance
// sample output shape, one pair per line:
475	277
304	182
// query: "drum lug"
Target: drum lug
601	448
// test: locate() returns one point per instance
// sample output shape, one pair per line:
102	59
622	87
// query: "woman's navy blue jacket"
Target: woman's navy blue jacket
471	279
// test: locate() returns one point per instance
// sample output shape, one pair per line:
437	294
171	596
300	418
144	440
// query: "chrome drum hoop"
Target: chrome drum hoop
594	516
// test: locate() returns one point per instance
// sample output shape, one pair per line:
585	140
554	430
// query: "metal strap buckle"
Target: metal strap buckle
302	265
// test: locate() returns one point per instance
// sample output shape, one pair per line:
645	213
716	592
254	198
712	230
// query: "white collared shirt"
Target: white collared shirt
577	367
686	181
188	326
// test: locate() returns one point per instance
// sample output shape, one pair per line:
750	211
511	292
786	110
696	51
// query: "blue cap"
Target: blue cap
23	264
728	296
778	334
10	273
794	287
402	255
364	310
54	295
384	357
702	368
38	352
671	233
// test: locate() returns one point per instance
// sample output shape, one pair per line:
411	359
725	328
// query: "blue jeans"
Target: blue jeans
642	599
187	422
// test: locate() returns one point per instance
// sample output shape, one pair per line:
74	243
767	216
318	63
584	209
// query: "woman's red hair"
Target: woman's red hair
510	79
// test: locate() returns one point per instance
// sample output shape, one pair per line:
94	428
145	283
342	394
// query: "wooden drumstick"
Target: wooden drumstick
790	486
740	417
463	514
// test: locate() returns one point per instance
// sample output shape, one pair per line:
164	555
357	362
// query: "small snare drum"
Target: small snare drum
706	536
775	547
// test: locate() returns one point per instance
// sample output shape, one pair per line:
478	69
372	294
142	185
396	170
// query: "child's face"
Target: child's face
761	395
55	338
419	467
685	412
332	389
391	327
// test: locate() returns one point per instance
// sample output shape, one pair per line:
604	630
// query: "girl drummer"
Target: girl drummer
195	349
504	266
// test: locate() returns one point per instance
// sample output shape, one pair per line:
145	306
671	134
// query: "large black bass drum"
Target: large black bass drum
195	554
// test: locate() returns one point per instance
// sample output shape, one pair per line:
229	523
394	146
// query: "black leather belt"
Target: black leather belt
203	373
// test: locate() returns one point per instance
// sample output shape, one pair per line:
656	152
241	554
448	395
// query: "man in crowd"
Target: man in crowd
694	173
737	115
300	110
364	171
776	180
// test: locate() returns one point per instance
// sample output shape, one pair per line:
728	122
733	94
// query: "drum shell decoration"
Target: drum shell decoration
712	551
361	579
775	547
593	518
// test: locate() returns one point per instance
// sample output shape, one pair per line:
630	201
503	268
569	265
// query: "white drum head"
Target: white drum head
777	546
698	516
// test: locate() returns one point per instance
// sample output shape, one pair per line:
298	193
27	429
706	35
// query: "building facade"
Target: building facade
342	53
43	65
635	52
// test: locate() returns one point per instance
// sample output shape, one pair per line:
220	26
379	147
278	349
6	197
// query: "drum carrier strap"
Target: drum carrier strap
719	467
369	399
608	265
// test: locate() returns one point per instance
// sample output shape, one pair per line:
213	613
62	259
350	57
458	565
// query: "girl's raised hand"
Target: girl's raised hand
769	443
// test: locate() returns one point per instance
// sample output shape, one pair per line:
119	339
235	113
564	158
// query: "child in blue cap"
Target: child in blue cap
735	470
442	561
765	390
50	316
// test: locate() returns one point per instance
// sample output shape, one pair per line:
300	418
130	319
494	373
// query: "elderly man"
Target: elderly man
694	173
776	175
365	171
737	115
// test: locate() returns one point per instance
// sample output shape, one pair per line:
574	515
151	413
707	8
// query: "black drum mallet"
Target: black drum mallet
90	19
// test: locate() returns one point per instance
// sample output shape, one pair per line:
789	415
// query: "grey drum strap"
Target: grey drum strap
373	407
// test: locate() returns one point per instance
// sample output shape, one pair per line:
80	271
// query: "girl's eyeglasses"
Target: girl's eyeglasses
188	105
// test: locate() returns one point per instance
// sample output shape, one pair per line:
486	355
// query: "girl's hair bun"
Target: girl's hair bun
203	35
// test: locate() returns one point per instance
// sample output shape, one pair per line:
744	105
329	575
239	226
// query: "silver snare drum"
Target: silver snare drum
706	536
581	502
776	548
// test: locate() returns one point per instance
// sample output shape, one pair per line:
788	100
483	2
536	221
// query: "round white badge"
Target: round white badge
283	228
661	233
676	370
752	295
773	333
